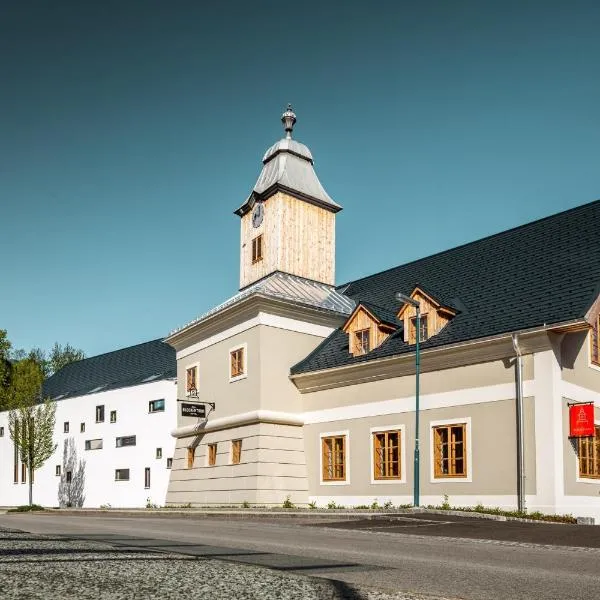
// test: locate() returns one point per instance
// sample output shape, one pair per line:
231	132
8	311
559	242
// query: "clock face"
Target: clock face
257	214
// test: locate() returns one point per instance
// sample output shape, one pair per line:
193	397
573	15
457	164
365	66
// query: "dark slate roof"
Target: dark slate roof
150	361
545	272
383	314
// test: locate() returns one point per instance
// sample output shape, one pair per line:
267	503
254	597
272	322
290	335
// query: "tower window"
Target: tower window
257	248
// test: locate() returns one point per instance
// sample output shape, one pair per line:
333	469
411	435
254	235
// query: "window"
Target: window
386	455
147	477
159	453
1	431
236	363
334	458
362	341
23	473
100	414
69	476
113	416
191	455
93	444
589	455
191	379
156	406
595	342
424	329
82	428
449	451
128	440
66	427
121	474
236	452
169	463
212	455
16	455
257	248
57	471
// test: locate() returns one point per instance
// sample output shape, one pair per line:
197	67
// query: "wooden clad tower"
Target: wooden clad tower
288	221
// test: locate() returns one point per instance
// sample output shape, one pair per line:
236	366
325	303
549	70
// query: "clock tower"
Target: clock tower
288	220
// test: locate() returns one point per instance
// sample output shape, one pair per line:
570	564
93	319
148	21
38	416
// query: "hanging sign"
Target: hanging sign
193	410
581	420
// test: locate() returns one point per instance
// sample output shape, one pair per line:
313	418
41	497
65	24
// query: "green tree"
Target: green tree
5	367
61	356
32	430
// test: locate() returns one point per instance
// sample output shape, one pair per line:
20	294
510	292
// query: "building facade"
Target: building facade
114	414
313	384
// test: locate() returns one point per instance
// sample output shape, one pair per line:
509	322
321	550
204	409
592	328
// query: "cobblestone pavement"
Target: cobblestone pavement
49	567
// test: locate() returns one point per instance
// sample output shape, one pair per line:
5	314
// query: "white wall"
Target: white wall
152	430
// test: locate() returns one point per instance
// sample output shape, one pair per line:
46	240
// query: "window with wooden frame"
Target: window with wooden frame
333	451
257	249
450	450
589	455
236	452
595	342
191	379
362	341
212	455
413	329
386	455
236	363
23	473
191	456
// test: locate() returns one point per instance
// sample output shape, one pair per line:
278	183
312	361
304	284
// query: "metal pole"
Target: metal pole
416	490
520	428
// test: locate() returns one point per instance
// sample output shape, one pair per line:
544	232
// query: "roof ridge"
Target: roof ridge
487	237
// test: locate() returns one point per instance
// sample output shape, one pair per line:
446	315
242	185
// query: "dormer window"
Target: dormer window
434	317
362	343
368	327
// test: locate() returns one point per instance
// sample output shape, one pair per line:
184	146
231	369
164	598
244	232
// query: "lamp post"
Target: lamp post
416	485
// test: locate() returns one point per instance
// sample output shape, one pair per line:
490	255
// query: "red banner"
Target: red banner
581	420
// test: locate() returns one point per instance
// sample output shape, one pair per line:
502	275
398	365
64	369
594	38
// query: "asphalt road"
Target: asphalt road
425	555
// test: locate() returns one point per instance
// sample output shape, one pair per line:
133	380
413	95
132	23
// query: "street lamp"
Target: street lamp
408	300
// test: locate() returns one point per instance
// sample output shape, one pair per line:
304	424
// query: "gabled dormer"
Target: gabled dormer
368	327
434	316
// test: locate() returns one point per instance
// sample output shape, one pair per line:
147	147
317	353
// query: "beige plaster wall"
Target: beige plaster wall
493	461
448	380
272	467
575	361
589	487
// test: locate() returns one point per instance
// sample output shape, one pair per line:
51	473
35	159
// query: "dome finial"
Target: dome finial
288	118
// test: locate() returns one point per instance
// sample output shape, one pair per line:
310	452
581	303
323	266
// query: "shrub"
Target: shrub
245	504
312	505
375	505
26	508
287	503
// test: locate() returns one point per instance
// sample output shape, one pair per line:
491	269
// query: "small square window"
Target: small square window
212	455
237	363
66	427
121	474
191	379
159	453
113	416
100	414
257	249
82	428
156	406
57	471
236	452
169	463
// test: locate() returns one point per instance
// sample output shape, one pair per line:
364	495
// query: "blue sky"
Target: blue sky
130	131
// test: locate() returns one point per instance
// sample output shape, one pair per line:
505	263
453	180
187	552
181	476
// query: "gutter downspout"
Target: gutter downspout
520	427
